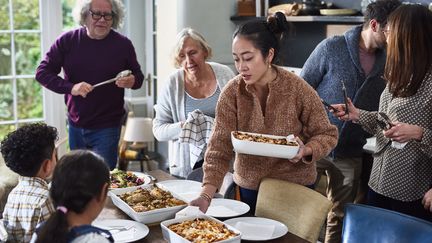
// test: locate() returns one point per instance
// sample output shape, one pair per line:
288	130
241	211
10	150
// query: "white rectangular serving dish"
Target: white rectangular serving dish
148	217
263	149
172	237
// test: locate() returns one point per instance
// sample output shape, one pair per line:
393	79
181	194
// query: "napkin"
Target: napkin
255	231
398	145
188	211
124	236
220	211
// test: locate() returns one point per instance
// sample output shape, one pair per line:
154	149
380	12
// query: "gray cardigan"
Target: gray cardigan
335	59
170	111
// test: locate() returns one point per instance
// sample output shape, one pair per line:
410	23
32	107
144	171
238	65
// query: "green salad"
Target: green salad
122	179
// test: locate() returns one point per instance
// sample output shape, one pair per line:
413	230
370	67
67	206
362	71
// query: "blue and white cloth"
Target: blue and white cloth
196	131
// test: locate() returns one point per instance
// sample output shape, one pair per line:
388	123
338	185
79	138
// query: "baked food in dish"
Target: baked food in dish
202	230
147	199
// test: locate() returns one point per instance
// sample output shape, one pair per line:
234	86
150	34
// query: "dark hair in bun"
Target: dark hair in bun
265	34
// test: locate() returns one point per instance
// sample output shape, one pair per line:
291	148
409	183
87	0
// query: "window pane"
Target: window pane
4	15
29	95
68	22
27	55
6	129
5	55
6	100
26	14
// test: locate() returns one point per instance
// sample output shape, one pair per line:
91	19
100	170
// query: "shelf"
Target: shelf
323	19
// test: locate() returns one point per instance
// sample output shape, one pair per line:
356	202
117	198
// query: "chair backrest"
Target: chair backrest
301	209
364	223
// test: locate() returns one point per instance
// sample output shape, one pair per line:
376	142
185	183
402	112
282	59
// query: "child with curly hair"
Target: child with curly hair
30	152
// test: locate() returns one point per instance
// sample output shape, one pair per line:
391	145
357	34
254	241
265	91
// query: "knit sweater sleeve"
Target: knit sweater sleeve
165	124
220	151
315	66
319	134
48	70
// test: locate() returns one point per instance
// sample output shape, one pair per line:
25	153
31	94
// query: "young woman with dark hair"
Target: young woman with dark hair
267	99
401	177
79	189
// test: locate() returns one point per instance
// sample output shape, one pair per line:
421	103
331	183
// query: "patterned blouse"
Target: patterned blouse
402	174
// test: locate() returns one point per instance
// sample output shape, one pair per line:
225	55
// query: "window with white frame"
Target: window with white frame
27	29
21	98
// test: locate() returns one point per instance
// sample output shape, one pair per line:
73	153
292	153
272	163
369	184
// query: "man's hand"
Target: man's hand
81	89
126	82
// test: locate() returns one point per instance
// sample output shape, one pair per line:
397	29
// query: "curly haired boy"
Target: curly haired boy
30	152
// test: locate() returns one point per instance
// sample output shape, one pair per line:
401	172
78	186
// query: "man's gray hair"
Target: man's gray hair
82	7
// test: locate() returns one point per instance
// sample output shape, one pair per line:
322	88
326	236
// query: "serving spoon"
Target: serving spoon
121	74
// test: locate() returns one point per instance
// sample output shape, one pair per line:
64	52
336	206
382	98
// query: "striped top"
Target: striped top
205	105
28	204
403	174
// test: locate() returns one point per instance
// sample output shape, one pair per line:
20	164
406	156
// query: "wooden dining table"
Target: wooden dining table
110	211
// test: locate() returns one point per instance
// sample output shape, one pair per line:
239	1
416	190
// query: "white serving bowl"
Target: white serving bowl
147	217
264	149
172	237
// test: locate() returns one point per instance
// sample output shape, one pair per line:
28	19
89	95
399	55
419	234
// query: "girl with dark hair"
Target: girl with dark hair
267	99
401	177
79	189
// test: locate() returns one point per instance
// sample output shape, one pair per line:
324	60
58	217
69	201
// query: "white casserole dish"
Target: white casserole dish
148	217
263	149
172	237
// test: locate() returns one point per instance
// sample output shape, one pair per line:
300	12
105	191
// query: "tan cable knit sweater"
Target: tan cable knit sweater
293	107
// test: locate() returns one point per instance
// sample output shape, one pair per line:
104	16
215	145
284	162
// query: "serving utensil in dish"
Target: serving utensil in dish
121	74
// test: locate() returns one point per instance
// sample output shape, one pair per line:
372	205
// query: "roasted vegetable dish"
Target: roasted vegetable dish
146	199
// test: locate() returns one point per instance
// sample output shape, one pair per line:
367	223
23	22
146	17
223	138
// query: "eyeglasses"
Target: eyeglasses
97	16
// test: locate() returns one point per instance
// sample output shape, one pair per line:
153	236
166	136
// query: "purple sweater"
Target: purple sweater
91	61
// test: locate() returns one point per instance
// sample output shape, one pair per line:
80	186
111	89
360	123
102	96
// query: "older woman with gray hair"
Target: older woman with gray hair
89	55
186	106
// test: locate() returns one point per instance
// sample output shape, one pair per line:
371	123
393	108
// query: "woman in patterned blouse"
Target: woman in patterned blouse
401	177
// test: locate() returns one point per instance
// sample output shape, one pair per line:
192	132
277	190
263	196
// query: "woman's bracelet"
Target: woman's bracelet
206	197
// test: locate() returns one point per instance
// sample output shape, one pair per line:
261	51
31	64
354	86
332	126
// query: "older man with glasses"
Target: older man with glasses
89	55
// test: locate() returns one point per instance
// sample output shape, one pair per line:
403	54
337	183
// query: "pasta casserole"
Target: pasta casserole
202	230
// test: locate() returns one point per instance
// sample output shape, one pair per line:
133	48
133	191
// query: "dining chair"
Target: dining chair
301	209
363	223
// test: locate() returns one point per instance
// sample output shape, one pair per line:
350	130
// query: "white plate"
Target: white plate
224	208
263	149
146	178
136	232
279	228
187	190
